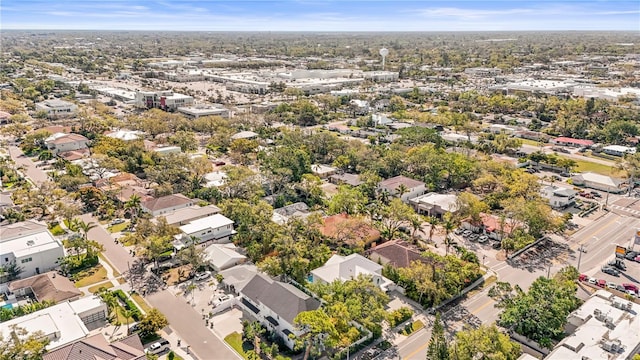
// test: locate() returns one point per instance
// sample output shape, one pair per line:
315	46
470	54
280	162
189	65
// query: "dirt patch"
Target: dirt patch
177	275
500	256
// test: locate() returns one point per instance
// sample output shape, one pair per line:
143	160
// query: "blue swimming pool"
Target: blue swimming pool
7	306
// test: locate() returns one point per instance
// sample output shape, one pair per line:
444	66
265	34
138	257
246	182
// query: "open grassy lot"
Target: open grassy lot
584	166
118	227
91	276
235	341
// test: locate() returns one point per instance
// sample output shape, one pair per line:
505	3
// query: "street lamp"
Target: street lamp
483	257
581	249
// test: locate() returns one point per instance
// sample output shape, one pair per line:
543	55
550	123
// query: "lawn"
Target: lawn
532	142
115	272
413	327
140	302
57	230
118	227
584	166
95	288
91	276
235	341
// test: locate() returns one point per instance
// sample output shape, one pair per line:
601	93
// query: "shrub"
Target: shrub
129	305
399	316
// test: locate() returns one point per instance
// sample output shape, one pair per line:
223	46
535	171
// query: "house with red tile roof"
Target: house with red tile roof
567	141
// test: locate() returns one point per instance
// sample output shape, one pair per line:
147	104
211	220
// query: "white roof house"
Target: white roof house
63	323
604	327
244	135
434	204
223	256
217	228
215	178
31	246
343	268
618	150
126	135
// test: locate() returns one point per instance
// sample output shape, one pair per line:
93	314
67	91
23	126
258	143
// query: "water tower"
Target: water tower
384	52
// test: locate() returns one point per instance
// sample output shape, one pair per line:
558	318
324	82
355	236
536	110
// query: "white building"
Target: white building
56	108
604	327
618	150
381	76
194	112
61	142
215	228
166	204
610	94
559	198
434	204
31	246
63	323
165	100
500	128
410	188
343	268
126	135
223	256
482	71
215	179
599	182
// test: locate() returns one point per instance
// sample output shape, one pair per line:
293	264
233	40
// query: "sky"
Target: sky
320	15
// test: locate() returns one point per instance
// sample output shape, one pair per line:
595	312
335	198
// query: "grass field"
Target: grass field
584	166
57	230
415	326
118	227
235	341
94	289
141	303
531	142
93	276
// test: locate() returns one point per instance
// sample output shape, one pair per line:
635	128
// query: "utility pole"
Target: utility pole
581	249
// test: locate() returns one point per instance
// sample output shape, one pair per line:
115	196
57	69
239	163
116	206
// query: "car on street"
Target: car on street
611	285
202	276
156	348
601	283
592	281
637	259
596	194
611	271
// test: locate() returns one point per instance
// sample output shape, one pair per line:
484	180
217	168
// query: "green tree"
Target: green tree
394	215
318	329
438	347
486	342
153	321
21	344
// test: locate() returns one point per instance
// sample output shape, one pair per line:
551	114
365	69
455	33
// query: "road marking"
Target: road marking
417	350
476	311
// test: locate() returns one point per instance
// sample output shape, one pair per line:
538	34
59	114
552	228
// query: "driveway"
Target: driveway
188	322
118	256
32	172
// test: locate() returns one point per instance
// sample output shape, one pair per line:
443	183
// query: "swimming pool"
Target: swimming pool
7	306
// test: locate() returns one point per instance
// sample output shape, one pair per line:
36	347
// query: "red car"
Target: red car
632	287
583	277
601	283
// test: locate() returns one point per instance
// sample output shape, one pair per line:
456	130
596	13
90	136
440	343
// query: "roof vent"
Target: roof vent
31	243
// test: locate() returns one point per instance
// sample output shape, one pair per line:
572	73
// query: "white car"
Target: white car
155	348
611	285
221	299
202	275
632	293
592	281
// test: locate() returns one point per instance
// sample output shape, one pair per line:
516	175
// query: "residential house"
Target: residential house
49	286
61	142
402	187
359	107
56	108
167	204
296	210
600	182
352	231
344	268
223	256
275	305
500	128
249	135
236	277
215	228
435	204
346	179
166	149
126	135
380	119
63	323
618	150
96	347
31	246
567	141
492	226
215	179
185	215
397	253
124	185
323	171
559	198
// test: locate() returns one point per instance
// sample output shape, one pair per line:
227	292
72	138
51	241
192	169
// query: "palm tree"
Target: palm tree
433	222
631	165
416	226
401	190
448	225
85	227
127	314
133	205
448	242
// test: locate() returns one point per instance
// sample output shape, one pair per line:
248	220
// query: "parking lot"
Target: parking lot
630	275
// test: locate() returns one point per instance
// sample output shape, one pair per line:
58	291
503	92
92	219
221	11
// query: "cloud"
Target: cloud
470	13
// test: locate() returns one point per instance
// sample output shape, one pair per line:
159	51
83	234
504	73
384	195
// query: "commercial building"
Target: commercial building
434	204
600	182
31	246
559	198
194	112
604	327
618	150
56	108
165	100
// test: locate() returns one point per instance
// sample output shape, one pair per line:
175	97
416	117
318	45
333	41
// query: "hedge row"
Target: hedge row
129	305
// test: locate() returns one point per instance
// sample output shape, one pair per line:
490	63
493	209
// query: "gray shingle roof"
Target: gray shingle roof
283	299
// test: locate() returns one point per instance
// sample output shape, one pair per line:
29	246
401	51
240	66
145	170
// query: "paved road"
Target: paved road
188	323
32	172
416	346
575	156
117	255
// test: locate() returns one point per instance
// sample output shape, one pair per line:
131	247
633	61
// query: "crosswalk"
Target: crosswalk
633	212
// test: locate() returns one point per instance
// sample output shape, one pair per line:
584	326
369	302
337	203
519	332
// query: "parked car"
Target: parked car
637	259
459	231
632	293
497	245
117	221
631	255
156	348
629	286
601	283
596	194
611	285
592	281
202	276
583	277
621	288
466	233
611	271
619	264
221	299
473	237
483	239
